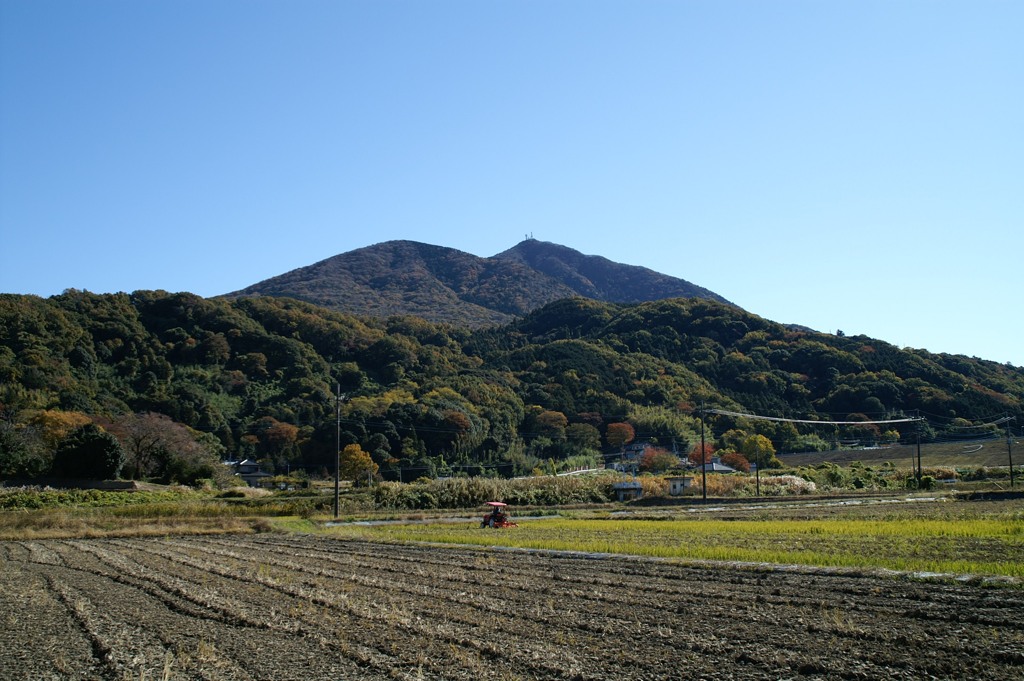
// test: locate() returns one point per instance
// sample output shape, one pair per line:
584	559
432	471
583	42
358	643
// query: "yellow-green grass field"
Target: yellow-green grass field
947	534
983	546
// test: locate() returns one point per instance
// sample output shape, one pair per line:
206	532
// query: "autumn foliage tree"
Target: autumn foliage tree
356	464
552	424
146	439
619	435
657	460
275	437
698	457
760	450
736	460
158	448
53	425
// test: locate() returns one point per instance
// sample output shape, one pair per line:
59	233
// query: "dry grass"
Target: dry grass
971	454
66	523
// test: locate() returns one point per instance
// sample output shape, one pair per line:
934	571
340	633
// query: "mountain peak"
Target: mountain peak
447	285
593	276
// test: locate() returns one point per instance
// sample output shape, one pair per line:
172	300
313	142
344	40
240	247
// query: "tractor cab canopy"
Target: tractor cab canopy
496	515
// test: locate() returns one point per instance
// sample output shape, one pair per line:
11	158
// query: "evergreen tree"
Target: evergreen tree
89	452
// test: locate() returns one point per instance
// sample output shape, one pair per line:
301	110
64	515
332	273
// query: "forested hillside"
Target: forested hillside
256	376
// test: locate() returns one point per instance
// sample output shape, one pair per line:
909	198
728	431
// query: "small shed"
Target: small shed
628	490
678	485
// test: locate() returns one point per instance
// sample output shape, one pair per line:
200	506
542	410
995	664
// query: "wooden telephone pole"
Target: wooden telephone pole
703	463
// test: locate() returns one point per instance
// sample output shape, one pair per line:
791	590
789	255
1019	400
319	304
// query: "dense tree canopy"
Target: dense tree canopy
89	452
260	377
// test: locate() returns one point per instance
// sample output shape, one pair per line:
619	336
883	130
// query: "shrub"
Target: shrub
26	498
724	485
472	492
784	485
942	473
979	473
653	486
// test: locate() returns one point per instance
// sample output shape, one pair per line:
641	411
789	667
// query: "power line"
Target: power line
950	419
997	422
723	412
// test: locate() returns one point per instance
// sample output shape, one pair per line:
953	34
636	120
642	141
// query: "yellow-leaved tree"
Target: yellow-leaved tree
356	465
760	450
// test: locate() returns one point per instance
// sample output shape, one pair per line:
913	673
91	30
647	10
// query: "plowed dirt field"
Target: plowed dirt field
301	607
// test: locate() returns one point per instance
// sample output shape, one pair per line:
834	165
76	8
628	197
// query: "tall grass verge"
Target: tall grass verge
139	516
65	523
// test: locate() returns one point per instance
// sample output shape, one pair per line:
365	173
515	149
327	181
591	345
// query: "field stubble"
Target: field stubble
305	607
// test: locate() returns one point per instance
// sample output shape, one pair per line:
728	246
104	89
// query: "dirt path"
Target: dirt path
281	607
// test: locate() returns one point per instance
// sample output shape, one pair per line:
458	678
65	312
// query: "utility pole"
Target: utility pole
703	463
757	473
918	431
1009	448
337	452
918	476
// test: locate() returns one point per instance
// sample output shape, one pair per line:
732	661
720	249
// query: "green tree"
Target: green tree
552	424
22	454
733	438
582	438
89	452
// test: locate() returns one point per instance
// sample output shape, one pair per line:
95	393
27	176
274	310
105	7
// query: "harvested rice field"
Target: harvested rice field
305	607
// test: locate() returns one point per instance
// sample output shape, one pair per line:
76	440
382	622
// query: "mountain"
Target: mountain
447	285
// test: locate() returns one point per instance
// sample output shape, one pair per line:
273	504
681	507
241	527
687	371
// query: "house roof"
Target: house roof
716	467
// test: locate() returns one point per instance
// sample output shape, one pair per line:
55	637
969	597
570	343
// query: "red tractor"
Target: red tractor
496	516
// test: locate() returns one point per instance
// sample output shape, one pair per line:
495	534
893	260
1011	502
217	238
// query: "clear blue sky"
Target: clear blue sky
842	165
